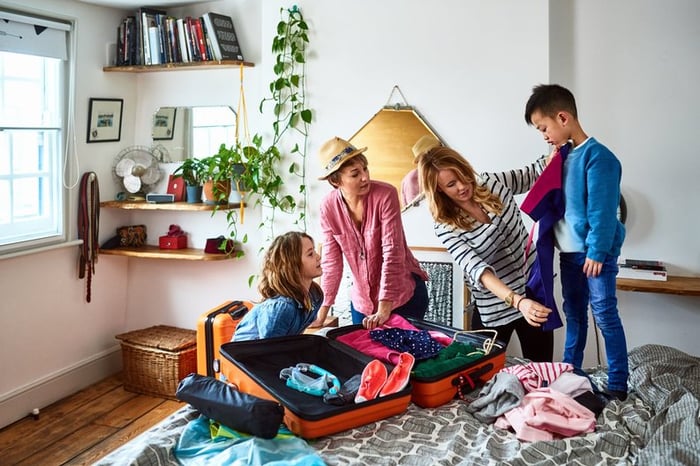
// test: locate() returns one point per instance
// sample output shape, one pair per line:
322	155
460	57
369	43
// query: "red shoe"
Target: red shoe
398	379
373	379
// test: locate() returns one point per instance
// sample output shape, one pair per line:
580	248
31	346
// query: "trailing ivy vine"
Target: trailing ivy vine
265	165
291	117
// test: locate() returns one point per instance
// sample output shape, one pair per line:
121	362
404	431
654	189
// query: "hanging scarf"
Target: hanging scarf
88	227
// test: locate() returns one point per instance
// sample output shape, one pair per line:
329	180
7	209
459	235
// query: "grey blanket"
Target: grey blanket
656	425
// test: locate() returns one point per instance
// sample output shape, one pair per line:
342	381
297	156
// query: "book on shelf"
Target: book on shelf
182	41
222	34
628	271
152	37
150	18
645	264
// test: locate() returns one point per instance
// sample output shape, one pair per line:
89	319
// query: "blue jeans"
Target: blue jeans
578	290
416	307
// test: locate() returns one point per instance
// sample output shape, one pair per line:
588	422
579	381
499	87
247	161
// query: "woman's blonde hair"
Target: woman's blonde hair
442	208
281	271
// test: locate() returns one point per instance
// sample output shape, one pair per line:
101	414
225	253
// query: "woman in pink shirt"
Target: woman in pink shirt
361	221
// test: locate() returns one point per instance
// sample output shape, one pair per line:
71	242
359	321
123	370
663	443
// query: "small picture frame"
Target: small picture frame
163	123
104	120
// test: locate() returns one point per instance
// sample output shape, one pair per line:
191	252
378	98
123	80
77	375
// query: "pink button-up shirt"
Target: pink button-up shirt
377	253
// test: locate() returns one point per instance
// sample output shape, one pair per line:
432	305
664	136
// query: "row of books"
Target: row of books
642	270
152	37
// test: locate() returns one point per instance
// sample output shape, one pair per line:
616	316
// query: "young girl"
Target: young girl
291	297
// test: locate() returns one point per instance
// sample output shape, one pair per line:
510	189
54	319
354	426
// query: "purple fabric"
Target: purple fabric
361	341
545	205
417	342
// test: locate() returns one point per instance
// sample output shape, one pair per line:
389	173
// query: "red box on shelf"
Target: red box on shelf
172	242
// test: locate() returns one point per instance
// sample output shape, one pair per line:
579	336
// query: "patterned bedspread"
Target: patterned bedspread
659	424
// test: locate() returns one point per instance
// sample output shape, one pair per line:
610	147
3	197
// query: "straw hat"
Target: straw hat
425	144
334	153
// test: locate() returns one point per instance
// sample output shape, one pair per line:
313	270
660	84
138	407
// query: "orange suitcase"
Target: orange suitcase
430	392
254	367
214	328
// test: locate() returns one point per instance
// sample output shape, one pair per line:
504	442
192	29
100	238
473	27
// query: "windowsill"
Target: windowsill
40	249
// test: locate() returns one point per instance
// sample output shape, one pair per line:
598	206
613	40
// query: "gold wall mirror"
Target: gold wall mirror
389	137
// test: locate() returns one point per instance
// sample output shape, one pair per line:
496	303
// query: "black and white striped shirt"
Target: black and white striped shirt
499	246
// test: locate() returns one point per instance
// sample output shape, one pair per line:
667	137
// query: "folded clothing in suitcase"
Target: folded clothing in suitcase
214	328
436	390
255	366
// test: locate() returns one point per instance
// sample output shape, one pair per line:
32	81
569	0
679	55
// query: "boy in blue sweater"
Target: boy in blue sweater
590	236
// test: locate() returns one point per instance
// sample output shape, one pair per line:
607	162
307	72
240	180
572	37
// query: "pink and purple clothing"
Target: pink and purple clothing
545	205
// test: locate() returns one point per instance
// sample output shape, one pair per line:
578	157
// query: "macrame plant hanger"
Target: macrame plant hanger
241	119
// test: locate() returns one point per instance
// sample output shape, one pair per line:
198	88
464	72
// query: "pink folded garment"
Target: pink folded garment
546	414
361	341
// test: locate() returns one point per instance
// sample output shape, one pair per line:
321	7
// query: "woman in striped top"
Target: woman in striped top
479	222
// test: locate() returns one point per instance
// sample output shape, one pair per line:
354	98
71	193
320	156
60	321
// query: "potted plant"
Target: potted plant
193	171
220	170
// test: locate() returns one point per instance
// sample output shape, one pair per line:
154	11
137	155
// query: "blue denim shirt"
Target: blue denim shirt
276	317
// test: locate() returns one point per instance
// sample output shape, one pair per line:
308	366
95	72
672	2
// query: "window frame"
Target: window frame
60	232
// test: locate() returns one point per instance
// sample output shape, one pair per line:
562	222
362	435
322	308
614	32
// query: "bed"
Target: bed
659	423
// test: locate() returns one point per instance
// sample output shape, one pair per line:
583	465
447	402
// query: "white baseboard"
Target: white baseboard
20	402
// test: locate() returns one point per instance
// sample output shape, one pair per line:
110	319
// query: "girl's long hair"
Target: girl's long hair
281	271
442	208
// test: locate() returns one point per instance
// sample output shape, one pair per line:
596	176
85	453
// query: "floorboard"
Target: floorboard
84	427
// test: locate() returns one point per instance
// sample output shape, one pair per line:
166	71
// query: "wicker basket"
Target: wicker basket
156	359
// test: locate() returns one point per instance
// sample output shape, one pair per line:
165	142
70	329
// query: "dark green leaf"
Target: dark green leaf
306	116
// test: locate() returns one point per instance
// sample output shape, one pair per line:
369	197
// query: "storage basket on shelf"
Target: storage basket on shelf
155	359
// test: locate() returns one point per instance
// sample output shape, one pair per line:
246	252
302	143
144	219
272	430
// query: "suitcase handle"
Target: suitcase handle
465	383
235	310
239	310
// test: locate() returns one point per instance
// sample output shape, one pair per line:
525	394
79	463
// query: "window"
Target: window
32	82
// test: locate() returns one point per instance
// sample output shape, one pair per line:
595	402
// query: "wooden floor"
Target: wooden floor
84	427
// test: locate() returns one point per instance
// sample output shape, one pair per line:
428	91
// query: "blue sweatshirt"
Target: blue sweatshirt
592	177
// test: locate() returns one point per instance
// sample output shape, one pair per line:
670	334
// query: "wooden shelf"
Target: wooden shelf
198	65
154	252
143	205
686	286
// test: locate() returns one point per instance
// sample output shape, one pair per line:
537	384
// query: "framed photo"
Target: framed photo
163	123
104	120
448	296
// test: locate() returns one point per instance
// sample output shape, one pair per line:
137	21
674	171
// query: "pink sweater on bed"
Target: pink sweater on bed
546	414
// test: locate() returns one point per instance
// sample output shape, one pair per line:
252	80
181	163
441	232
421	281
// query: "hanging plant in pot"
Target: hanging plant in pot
260	179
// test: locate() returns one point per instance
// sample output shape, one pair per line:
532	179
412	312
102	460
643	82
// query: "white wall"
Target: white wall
634	67
466	66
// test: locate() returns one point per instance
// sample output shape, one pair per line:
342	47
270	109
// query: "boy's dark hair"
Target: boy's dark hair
550	99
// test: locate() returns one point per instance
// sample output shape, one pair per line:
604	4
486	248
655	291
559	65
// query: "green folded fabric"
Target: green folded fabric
450	358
